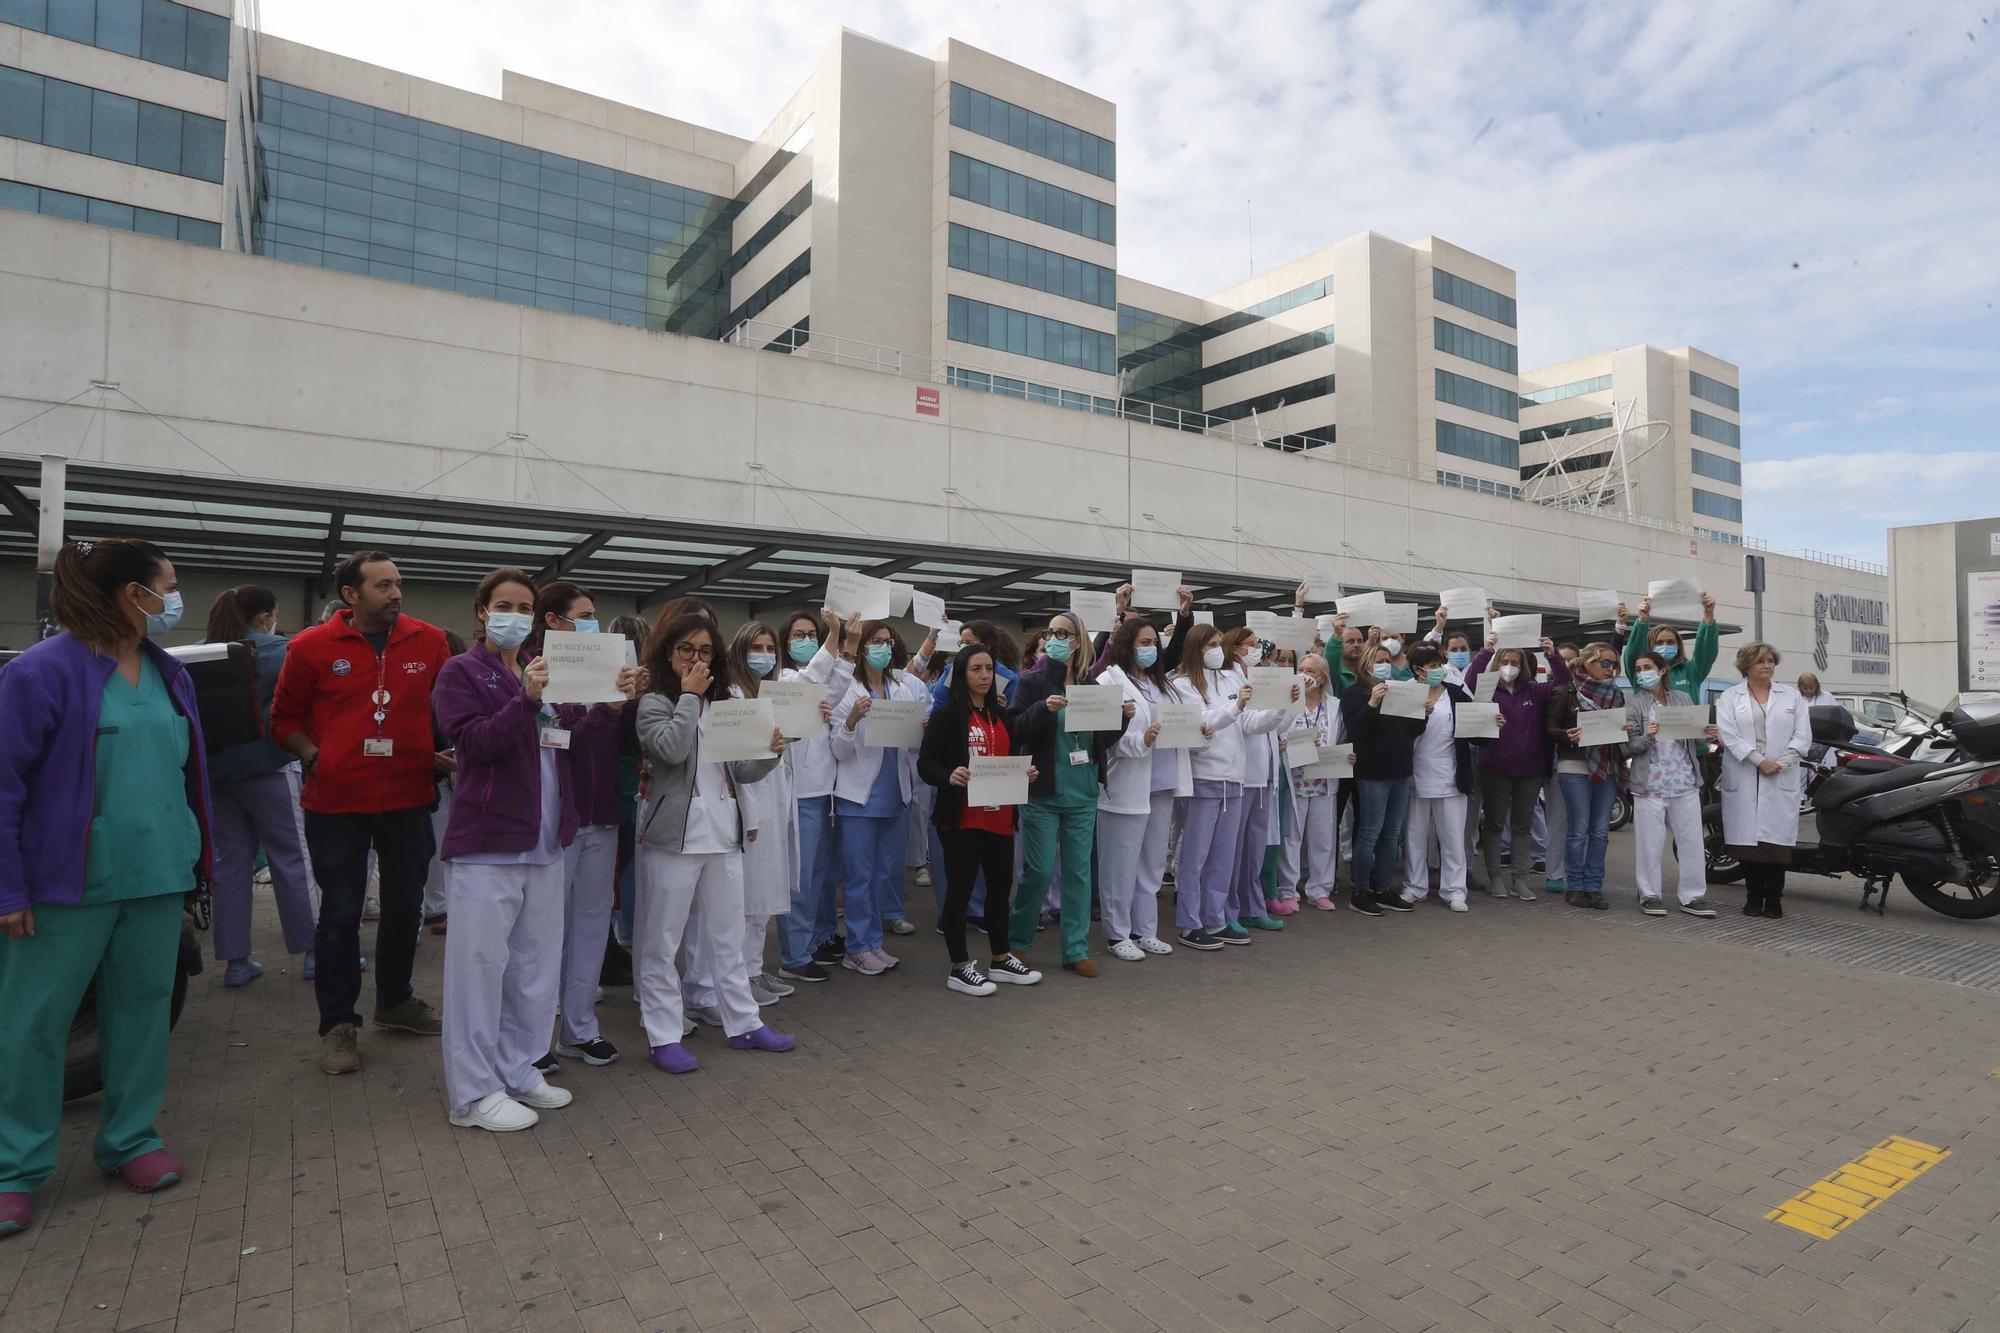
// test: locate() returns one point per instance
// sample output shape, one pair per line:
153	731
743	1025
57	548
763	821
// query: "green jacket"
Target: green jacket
1686	675
1336	667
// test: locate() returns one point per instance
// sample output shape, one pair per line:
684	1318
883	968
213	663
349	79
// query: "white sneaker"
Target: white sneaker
773	985
761	995
497	1112
544	1096
1127	950
923	877
1458	905
864	963
1154	944
967	979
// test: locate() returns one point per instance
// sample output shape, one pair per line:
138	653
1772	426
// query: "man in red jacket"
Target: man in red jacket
354	704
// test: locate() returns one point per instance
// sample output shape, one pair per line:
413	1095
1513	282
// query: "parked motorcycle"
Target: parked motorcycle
1933	823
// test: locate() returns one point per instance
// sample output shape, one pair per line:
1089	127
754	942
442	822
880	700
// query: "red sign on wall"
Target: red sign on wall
927	402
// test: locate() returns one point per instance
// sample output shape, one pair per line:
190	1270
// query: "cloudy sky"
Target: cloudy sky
1810	190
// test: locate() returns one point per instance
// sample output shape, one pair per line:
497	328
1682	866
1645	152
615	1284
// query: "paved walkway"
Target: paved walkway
1527	1117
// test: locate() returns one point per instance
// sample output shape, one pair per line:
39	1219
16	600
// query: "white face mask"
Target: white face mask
1211	657
1510	673
1253	656
1394	647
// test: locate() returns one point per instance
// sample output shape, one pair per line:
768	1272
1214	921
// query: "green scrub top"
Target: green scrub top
144	840
1076	784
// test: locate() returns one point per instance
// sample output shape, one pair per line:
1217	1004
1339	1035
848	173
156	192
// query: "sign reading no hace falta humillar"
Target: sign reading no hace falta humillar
1854	628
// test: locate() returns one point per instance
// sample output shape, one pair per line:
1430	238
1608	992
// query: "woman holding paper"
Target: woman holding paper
1666	792
1312	829
1384	756
1586	774
806	946
1514	768
1686	672
872	786
692	832
1212	818
1441	776
1135	813
1766	734
1261	776
978	841
514	817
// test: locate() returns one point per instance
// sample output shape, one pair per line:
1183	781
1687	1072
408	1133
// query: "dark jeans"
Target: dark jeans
1586	830
969	855
1378	831
1764	882
403	844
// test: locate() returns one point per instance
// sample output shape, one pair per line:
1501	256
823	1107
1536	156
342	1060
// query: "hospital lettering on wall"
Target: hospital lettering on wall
1855	627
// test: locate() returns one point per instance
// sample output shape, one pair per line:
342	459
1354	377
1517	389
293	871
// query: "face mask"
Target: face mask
1461	659
168	616
1211	657
1394	647
584	626
803	650
1510	673
1381	670
1435	676
1649	680
761	663
880	655
1146	656
505	629
1056	650
1253	656
1668	650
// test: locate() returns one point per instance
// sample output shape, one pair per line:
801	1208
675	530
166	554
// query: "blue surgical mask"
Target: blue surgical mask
1668	650
1649	680
880	655
1381	670
583	626
761	664
1435	676
1056	650
508	629
1146	656
168	616
804	650
1460	659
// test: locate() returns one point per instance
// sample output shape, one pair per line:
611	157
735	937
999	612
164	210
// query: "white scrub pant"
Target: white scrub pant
502	966
1310	837
1445	817
698	966
1131	863
696	896
1652	818
590	869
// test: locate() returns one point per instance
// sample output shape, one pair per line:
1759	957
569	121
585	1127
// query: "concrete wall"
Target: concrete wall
1932	639
299	374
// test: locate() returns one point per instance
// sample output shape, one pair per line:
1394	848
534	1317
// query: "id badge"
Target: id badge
1077	758
555	738
378	747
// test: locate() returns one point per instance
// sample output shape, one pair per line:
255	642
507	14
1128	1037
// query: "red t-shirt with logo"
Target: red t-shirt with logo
988	738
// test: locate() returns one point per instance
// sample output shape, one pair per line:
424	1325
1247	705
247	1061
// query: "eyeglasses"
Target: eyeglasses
1061	634
687	652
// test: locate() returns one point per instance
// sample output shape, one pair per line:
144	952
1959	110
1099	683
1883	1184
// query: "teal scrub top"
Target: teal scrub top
144	840
1076	784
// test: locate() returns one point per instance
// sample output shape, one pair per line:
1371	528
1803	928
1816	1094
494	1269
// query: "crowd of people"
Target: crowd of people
427	783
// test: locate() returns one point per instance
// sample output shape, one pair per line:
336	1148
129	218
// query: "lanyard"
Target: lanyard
381	696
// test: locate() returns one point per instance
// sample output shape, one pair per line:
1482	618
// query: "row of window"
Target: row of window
157	31
1023	334
1027	265
1273	305
1717	468
1033	132
1467	295
105	213
778	284
1480	484
1481	446
793	209
1007	387
1463	342
1037	201
1727	538
1267	402
1266	355
1477	395
1571	467
1595	384
1715	428
109	125
1718	506
1159	358
1557	430
1715	391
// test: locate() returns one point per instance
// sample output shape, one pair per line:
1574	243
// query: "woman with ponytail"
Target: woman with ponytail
254	803
104	830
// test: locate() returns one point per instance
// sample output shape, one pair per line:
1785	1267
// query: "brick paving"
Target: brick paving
1513	1119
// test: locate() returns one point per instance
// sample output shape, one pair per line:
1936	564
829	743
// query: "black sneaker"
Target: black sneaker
1366	905
830	953
1049	917
1012	971
1598	902
548	1065
596	1051
1395	902
1200	939
807	971
1699	907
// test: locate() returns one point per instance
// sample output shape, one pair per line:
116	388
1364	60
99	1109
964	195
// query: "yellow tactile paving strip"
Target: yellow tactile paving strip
1857	1189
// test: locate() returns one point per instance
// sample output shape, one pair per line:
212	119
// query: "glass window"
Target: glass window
1717	468
1712	505
1715	428
1715	391
1556	430
107	213
1030	266
35	14
163	33
1264	356
114	126
20	105
73	20
1473	346
1296	393
1596	384
1038	201
159	137
57	204
1023	334
1479	445
66	115
1478	395
1031	131
1454	290
119	27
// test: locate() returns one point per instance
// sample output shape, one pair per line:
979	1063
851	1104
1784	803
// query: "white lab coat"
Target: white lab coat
1128	765
771	859
855	762
1756	808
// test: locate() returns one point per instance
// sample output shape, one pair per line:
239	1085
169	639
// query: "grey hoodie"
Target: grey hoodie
670	739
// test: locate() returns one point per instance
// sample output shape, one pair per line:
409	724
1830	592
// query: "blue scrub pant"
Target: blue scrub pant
872	851
810	922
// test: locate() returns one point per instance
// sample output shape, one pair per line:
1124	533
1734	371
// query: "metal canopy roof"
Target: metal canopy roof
250	528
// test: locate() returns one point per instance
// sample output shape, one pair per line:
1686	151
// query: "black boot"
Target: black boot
1753	903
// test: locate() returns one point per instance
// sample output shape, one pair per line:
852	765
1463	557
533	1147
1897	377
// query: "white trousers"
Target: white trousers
590	872
502	966
1445	817
698	966
1131	862
1309	848
1652	818
696	896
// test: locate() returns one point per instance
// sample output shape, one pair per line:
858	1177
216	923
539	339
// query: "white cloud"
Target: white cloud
1876	409
1844	502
